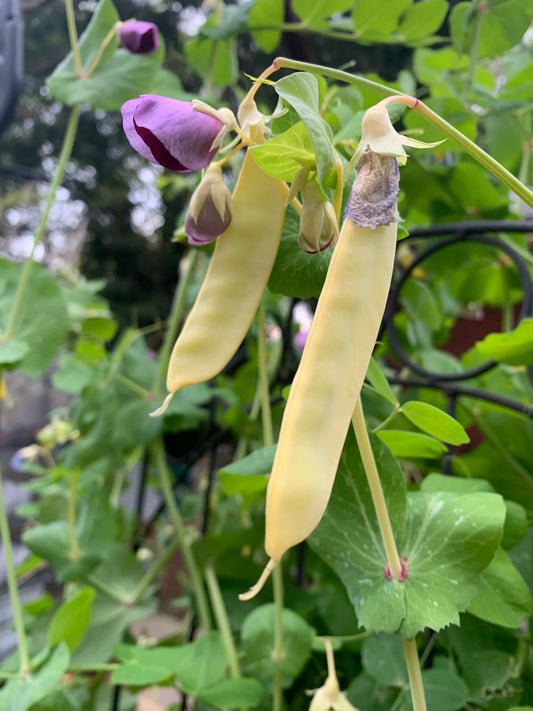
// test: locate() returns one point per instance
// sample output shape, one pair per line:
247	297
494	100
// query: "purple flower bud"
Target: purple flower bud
209	212
171	133
138	37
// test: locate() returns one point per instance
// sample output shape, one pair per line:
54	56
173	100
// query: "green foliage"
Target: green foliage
465	540
118	76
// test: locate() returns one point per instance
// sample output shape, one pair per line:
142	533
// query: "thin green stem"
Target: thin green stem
264	391
16	606
221	617
376	491
474	53
447	129
108	590
278	653
133	458
73	37
107	39
387	420
338	74
175	317
468	146
74	548
154	569
64	156
132	385
415	675
182	535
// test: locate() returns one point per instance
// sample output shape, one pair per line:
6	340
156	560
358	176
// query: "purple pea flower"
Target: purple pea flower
172	133
138	37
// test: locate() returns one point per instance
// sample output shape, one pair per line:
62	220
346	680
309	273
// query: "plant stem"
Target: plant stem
74	548
73	37
181	533
415	676
264	392
64	156
462	141
474	53
107	39
278	654
376	490
338	74
153	570
16	606
108	590
477	153
175	317
221	617
277	574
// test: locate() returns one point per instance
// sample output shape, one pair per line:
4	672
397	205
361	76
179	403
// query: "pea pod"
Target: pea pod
234	283
334	362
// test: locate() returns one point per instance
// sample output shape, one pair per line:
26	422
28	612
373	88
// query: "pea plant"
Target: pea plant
394	586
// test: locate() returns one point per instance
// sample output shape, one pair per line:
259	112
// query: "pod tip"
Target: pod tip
252	592
162	409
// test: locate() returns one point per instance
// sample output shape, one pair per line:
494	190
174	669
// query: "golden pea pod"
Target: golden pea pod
330	376
234	283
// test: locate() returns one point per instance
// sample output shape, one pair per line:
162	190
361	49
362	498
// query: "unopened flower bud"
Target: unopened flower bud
138	37
318	222
209	212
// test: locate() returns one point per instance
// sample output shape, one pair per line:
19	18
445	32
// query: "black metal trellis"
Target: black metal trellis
450	383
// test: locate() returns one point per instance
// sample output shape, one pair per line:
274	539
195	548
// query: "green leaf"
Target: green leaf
233	693
21	694
502	597
444	690
383	658
421	20
513	348
70	620
380	384
435	422
204	664
266	12
52	542
216	58
295	272
311	11
233	18
42	321
300	90
143	666
119	75
109	620
515	524
486	671
258	463
412	445
447	542
283	156
12	352
373	24
104	329
73	374
248	476
257	635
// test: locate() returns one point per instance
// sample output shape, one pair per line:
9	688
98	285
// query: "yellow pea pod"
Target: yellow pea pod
327	384
234	283
334	362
